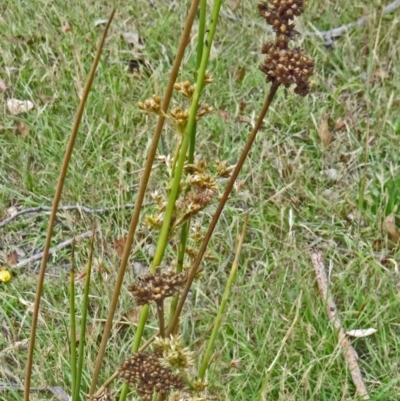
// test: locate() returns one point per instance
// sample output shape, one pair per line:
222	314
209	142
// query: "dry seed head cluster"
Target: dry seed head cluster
283	65
280	13
152	105
157	287
288	67
186	88
145	372
174	356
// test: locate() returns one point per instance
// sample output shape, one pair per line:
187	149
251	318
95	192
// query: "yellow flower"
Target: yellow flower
5	276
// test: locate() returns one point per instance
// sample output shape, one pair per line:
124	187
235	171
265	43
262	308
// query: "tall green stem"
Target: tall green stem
163	238
193	270
174	73
224	301
202	28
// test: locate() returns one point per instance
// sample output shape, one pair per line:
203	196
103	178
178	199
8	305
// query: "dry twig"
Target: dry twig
52	250
67	208
350	355
329	36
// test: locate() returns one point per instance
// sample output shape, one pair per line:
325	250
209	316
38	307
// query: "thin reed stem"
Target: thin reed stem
192	145
224	301
228	189
202	29
72	319
160	313
141	193
56	201
85	305
179	265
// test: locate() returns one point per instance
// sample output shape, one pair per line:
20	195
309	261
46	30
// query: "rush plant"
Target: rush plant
164	366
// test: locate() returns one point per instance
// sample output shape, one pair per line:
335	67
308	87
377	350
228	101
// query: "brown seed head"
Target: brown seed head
152	105
145	372
287	67
156	287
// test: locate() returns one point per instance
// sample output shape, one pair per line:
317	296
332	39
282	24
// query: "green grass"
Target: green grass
40	59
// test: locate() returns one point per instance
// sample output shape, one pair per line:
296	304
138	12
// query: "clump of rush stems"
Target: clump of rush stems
167	368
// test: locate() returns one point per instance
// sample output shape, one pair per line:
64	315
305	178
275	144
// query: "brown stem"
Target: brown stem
142	190
56	201
228	189
160	313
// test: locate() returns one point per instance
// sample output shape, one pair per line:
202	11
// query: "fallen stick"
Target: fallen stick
52	250
350	355
328	36
80	208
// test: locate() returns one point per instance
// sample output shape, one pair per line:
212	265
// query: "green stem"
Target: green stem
193	270
163	238
200	47
179	265
174	73
82	337
72	318
141	193
202	29
192	128
224	301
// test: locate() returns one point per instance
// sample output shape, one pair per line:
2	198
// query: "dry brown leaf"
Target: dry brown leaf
235	363
244	119
377	245
12	258
324	134
240	74
80	277
16	106
119	245
340	124
224	114
66	27
233	4
390	228
381	73
22	129
46	99
3	86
